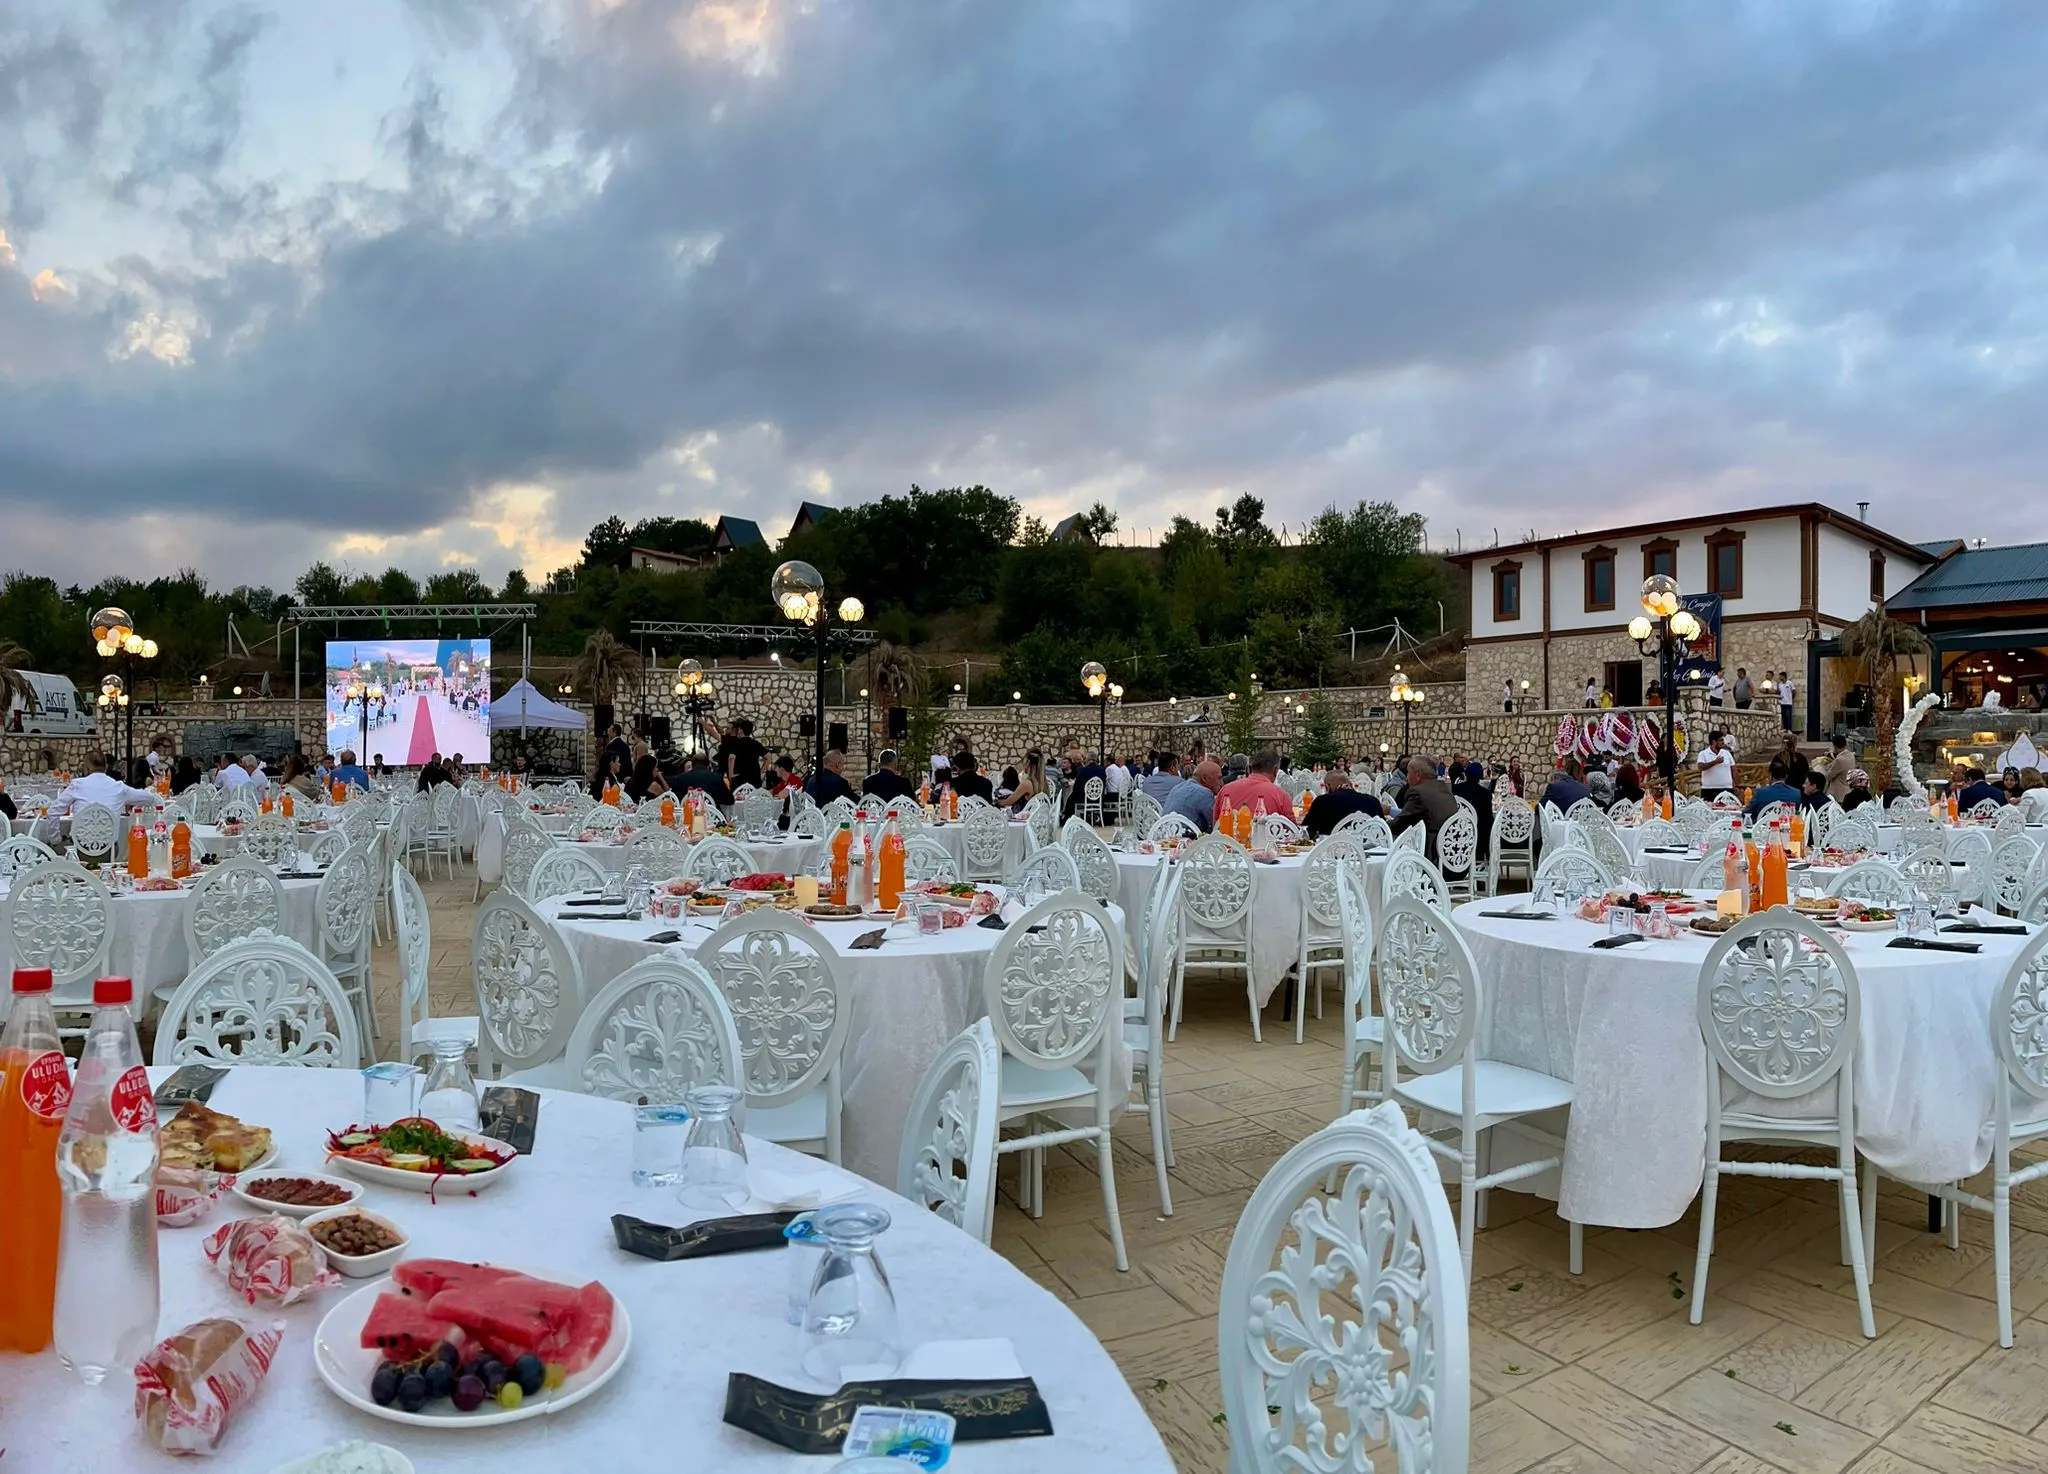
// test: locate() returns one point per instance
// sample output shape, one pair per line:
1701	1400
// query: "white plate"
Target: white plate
346	1366
367	1456
419	1182
292	1210
1850	924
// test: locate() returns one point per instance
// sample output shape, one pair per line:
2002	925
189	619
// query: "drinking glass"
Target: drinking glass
931	921
449	1097
849	1330
714	1154
1947	905
390	1092
658	1136
1620	921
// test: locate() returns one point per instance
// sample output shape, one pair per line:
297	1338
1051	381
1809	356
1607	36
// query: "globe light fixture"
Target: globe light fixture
111	626
1639	629
1664	629
1095	681
1660	596
1094	678
798	592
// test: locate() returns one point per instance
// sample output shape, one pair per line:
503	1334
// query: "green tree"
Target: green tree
1241	720
690	536
1317	746
608	543
1241	530
516	588
1098	522
457	586
1042	585
1371	560
323	583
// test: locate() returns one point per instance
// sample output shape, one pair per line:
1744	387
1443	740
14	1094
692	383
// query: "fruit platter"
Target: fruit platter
1855	916
443	1343
417	1155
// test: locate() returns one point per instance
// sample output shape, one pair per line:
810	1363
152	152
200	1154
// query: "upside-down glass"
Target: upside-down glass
714	1153
390	1092
448	1098
849	1330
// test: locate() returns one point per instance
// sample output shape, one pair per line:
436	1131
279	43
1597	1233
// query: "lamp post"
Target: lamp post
1408	698
699	696
363	689
114	637
1664	630
799	592
1095	681
867	728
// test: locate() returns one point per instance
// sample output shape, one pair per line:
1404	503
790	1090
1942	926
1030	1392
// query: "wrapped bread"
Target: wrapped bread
184	1195
189	1385
271	1259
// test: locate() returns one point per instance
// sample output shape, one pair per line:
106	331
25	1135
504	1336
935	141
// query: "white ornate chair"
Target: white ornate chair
348	892
947	1162
1985	808
1875	881
1433	1003
1855	830
1568	872
2006	877
235	899
716	860
1048	872
1052	989
1413	838
1274	830
1322	928
237	808
1093	858
529	992
202	801
2010	820
606	821
655	837
1342	1314
323	846
984	843
1512	843
1144	1019
563	870
1365	1032
780	983
758	814
1457	855
1089	810
1408	874
1371	831
96	832
1928	871
1659	832
1973	848
1778	1007
840	811
1607	848
872	808
655	1032
259	1001
1141	809
926	859
2034	909
2019	1115
1172	826
417	1028
23	852
1042	818
58	916
1216	893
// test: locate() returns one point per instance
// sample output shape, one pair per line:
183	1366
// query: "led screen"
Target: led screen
405	700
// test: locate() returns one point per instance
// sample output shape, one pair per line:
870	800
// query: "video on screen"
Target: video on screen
405	700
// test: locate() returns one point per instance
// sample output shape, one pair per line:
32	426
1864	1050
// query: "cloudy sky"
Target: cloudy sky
443	282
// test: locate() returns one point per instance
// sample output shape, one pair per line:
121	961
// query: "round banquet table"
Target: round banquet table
910	996
1622	1026
1275	908
148	942
789	856
953	835
693	1321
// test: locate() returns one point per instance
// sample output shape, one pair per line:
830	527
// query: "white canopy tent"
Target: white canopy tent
524	708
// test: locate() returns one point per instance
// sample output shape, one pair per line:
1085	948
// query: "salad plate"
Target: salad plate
418	1156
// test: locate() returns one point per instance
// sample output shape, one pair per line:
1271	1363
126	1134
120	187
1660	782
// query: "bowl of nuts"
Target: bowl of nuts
357	1242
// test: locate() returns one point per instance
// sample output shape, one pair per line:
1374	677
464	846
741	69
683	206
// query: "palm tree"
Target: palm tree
13	684
1878	641
599	670
896	676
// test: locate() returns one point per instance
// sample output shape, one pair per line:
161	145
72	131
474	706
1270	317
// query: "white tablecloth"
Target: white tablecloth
1275	909
1622	1026
693	1322
148	945
910	996
954	838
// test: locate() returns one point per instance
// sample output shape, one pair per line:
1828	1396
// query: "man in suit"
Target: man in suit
1428	803
887	782
1977	792
968	782
1337	802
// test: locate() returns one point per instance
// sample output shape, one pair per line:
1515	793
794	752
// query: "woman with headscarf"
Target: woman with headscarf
1859	790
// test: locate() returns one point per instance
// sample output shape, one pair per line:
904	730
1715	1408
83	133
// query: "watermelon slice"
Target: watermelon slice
429	1277
517	1315
403	1328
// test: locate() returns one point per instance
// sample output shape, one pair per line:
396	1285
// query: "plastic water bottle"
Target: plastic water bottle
107	1298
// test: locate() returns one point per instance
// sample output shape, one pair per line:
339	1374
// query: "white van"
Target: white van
54	706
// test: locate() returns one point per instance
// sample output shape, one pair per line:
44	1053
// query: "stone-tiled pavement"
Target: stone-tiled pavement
1595	1375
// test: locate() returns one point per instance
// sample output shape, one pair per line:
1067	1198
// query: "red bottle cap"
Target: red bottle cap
33	979
106	991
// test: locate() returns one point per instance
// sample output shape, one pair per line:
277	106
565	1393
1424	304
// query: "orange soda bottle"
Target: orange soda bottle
1798	844
138	853
1241	820
35	1091
263	805
181	849
668	811
842	861
1775	892
284	804
890	867
1665	805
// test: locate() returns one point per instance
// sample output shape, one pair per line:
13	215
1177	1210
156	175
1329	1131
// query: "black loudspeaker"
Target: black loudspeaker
807	726
660	733
835	737
899	723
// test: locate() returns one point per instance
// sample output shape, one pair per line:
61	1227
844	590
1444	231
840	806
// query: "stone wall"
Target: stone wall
24	753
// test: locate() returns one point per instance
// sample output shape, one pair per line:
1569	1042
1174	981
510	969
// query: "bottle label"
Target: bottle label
134	1104
46	1085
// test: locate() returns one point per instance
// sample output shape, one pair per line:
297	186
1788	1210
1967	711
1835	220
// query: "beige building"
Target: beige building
1548	616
